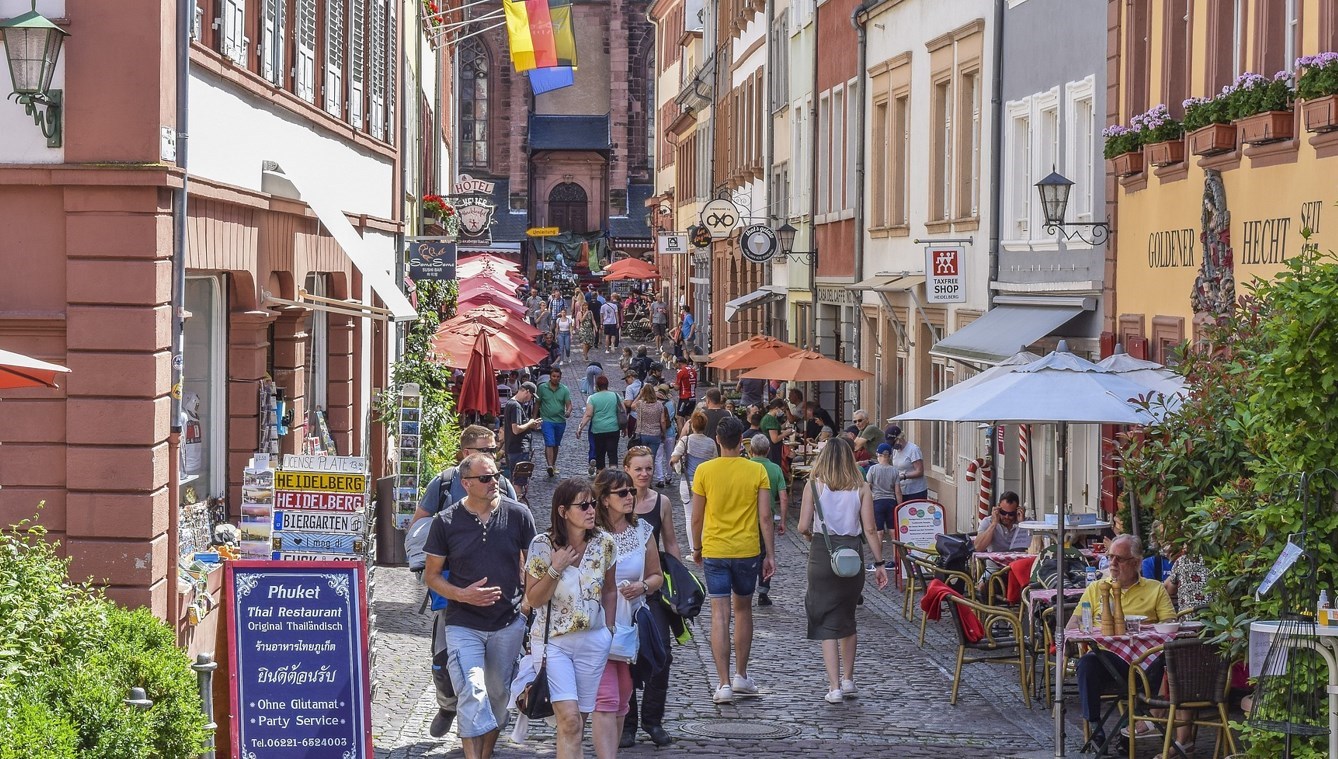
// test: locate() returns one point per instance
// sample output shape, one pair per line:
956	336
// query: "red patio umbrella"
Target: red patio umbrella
498	318
630	274
483	258
478	391
18	370
475	286
491	299
452	346
752	343
634	266
753	357
807	366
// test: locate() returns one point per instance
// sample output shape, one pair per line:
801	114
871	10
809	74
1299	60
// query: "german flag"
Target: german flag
540	33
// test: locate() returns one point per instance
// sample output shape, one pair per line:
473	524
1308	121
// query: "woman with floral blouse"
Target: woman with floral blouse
573	589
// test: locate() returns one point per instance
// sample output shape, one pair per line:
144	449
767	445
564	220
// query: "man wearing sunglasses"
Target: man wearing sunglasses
483	538
999	531
447	488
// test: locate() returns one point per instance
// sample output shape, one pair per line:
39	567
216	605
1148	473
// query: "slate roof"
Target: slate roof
634	224
549	132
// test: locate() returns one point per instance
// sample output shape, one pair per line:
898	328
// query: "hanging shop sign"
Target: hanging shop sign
671	243
475	217
299	667
945	274
467	185
700	236
758	243
432	258
720	217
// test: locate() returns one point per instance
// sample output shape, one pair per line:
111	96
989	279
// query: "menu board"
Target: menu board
319	508
406	483
299	675
919	522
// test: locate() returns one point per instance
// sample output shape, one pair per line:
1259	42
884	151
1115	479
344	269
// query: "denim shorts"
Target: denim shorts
884	513
736	576
553	432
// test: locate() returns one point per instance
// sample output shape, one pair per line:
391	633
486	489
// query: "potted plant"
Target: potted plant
1123	149
437	211
1317	89
1163	137
1208	125
1262	107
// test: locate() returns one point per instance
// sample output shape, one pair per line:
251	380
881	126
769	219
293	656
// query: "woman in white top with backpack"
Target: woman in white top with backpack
838	505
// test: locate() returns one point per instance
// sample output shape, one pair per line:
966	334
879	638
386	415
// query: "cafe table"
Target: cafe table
1324	643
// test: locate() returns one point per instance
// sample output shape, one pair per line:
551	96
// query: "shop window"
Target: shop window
203	396
317	363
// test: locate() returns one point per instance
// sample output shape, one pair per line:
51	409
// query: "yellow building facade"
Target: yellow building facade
1192	232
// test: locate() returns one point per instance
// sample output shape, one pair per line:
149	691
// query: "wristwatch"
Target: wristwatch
880	563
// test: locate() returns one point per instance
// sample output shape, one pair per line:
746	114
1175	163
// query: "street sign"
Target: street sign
720	217
945	274
543	231
671	243
758	243
432	258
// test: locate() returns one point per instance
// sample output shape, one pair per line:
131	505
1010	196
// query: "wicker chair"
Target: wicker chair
1008	649
902	552
923	572
996	587
1197	678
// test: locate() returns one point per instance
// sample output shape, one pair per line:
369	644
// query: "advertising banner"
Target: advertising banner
299	676
432	258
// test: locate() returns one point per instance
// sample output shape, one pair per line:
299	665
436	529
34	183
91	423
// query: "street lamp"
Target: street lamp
1054	191
32	45
785	234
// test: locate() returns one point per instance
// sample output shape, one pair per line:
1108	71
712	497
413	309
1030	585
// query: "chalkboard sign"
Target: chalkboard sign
299	675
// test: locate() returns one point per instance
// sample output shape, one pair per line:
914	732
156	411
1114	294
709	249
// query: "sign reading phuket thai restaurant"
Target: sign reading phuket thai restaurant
299	675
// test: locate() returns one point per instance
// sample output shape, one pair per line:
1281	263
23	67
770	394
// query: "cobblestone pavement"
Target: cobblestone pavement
903	709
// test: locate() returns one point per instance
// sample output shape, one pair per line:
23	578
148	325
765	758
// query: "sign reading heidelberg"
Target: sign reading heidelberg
299	676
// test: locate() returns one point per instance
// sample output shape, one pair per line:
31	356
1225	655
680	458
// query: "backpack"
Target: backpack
1044	572
415	538
954	553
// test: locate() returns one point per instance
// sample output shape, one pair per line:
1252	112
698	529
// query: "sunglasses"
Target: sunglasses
489	451
484	478
622	492
582	505
1012	513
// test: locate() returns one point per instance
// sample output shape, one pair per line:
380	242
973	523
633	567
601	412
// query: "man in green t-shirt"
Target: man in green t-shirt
771	426
869	435
554	409
780	504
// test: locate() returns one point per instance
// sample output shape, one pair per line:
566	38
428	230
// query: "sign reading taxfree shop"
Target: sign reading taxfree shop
945	274
299	675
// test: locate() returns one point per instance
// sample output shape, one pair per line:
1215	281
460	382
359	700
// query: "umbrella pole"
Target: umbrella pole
1060	621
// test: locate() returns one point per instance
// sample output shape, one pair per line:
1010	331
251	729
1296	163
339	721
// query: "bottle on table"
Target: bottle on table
1085	613
1091	574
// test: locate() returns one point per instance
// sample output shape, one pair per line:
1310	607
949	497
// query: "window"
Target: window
377	110
1175	57
391	42
474	89
1081	160
1275	36
824	167
901	175
204	428
334	57
1018	152
837	155
232	42
271	42
304	66
778	70
357	61
940	176
780	191
880	146
1047	150
1226	21
801	153
317	364
940	433
852	137
1139	29
968	147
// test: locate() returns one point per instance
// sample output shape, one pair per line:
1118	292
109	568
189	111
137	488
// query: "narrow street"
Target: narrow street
903	709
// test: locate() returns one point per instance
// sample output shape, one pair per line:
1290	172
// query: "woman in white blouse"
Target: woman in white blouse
573	589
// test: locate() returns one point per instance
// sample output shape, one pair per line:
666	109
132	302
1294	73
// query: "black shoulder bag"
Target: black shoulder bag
534	701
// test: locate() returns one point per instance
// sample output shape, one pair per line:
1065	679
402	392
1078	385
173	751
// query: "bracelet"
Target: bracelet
880	563
553	573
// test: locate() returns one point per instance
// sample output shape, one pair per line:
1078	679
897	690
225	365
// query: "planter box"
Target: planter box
1165	153
1321	114
1212	139
1126	164
1270	126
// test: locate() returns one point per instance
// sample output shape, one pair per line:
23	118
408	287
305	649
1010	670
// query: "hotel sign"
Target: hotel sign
467	185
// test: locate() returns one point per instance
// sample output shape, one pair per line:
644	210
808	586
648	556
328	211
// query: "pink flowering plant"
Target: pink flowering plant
1318	76
1249	95
1120	140
1156	125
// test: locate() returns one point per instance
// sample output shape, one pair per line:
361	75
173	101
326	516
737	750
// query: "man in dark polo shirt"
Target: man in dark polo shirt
482	538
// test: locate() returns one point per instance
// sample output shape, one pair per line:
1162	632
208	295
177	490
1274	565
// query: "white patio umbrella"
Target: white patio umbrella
1060	388
1010	364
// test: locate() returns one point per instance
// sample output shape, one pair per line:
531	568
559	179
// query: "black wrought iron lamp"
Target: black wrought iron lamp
32	45
1054	191
786	233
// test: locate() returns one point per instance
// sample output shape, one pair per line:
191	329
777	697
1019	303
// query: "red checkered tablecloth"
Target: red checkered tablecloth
1001	557
1127	647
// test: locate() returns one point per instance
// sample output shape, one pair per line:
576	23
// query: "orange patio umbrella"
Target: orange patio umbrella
478	391
498	318
468	288
630	274
807	366
485	273
636	266
757	341
754	356
453	345
18	370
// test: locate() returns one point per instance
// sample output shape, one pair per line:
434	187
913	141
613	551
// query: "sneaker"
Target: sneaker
834	696
551	472
592	467
870	568
441	723
744	686
848	689
723	695
763	599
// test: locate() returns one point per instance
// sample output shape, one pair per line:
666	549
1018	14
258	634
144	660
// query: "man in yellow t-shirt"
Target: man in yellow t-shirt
731	504
1097	670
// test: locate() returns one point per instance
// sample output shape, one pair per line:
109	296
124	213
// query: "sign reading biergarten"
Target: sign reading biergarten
320	509
299	675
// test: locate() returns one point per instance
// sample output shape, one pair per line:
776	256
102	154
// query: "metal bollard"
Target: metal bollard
138	699
204	667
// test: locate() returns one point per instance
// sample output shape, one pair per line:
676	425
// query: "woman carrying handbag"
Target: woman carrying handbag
572	588
839	505
638	575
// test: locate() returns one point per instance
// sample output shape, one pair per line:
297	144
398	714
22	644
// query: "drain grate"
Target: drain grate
737	728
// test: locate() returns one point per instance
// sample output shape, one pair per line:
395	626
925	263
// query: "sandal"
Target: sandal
1181	748
1143	729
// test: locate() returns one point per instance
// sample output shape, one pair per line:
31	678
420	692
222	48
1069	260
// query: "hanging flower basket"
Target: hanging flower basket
1165	153
1213	139
1321	114
1127	164
1269	126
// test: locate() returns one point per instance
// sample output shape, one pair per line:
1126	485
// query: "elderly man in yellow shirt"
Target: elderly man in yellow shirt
1139	596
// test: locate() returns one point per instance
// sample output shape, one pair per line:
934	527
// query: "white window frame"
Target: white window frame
216	430
357	61
1017	171
376	111
823	169
945	199
335	40
836	155
304	65
1289	44
1081	162
1238	38
271	41
976	93
233	42
1043	158
853	96
393	62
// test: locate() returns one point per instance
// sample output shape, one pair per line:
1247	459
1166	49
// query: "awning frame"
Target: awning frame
767	295
332	305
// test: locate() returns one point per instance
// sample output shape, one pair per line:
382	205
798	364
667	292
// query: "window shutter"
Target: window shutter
334	57
377	112
271	42
357	60
233	44
304	73
392	71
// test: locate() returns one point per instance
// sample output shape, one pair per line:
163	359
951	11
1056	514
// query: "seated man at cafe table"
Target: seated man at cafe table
998	532
1140	596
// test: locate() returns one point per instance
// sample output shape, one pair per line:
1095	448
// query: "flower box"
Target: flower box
1320	114
1213	139
1126	164
1164	153
1269	126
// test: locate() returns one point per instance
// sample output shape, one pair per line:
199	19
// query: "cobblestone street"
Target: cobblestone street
903	709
